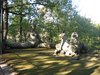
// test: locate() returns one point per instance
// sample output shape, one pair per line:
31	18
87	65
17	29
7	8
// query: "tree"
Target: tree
1	23
5	24
44	20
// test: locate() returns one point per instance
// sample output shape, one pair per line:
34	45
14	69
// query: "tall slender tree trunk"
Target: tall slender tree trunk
1	23
21	28
5	24
20	21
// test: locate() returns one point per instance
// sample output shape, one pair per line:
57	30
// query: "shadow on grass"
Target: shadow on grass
41	62
51	70
83	71
55	68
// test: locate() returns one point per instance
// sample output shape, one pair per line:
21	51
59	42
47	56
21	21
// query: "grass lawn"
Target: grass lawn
40	61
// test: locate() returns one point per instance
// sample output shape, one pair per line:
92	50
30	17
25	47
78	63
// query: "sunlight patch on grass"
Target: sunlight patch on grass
96	71
76	65
65	72
26	54
23	67
41	58
47	62
63	62
46	66
93	59
89	64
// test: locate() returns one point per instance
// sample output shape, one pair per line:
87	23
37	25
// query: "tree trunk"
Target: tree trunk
5	24
20	21
21	28
1	22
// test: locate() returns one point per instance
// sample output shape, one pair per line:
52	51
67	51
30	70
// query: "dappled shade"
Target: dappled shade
41	61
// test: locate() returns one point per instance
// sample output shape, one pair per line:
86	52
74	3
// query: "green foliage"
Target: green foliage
54	17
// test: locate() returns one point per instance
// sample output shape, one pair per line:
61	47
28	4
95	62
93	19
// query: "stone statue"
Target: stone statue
64	47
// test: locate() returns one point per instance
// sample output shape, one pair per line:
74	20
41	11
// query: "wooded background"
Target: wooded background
28	23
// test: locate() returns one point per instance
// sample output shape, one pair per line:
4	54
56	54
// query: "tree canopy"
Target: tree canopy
47	18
